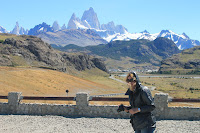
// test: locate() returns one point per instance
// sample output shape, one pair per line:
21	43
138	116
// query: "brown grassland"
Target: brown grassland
44	82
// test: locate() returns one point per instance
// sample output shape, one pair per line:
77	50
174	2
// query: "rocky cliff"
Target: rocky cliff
32	51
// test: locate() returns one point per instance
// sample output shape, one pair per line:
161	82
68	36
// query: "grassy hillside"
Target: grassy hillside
126	63
4	36
186	62
190	54
43	82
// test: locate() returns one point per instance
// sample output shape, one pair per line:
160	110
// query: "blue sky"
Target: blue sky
136	15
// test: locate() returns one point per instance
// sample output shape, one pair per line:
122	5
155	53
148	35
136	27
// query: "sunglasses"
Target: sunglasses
130	80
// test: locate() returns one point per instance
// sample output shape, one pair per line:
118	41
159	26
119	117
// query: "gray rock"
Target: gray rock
41	124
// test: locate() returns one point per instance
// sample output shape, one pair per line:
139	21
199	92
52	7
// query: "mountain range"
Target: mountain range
134	52
109	32
81	37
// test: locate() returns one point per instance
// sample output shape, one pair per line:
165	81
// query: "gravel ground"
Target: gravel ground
59	124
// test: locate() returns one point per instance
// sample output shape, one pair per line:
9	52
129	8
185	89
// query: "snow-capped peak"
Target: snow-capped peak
16	29
179	40
185	35
3	30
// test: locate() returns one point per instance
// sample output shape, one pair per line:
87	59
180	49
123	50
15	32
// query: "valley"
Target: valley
33	67
133	54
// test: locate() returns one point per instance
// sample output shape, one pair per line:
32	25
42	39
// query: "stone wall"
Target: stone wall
162	110
83	109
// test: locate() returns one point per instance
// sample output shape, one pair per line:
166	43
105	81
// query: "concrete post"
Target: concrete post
13	101
82	99
14	98
161	103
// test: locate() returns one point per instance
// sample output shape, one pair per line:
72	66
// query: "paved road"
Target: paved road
113	77
166	76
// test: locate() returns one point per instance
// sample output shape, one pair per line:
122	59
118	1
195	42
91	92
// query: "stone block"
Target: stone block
14	98
82	99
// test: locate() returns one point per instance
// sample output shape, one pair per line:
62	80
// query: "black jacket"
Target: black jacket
141	98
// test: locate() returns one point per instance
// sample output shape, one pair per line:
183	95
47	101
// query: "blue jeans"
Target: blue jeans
146	130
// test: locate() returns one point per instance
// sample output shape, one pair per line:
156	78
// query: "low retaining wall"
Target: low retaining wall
83	109
177	113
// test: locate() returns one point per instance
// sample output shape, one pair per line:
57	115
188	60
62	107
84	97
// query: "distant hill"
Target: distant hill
73	36
27	50
186	62
140	51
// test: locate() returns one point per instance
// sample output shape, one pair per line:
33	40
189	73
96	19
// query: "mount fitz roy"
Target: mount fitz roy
89	28
90	20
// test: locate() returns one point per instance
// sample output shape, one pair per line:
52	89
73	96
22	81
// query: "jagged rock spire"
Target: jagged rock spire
91	17
63	27
55	26
73	22
16	29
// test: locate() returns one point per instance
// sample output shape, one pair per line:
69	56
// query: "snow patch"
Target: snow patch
41	29
79	26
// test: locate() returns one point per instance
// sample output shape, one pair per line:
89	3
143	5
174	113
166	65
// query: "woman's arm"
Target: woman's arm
147	98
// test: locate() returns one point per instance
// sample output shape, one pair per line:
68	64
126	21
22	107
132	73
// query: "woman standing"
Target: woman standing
142	105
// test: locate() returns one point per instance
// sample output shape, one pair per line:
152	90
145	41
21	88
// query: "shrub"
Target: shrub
173	83
191	88
1	41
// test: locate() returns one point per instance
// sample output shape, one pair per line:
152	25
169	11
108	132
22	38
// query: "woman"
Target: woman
141	107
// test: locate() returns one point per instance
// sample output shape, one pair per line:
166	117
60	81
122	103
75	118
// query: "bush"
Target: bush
196	71
1	41
191	88
173	83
